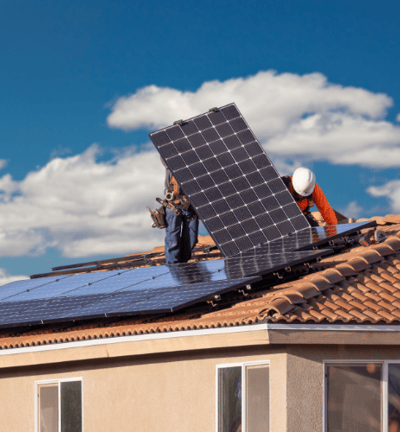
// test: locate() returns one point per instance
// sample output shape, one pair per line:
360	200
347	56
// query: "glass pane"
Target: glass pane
71	406
394	398
354	398
48	408
257	397
230	399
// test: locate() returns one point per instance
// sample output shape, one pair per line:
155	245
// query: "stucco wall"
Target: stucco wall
177	391
146	393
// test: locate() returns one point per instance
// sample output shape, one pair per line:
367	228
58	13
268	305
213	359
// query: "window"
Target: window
243	398
362	397
59	406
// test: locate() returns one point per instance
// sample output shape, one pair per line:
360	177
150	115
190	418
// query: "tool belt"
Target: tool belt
159	217
174	201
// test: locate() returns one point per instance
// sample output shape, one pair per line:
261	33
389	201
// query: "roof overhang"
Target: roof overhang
204	339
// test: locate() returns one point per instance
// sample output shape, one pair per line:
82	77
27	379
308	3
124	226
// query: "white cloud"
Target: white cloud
3	163
303	118
5	278
352	210
82	206
390	190
398	117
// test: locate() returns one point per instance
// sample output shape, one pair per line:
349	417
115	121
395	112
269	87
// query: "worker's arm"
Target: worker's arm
323	206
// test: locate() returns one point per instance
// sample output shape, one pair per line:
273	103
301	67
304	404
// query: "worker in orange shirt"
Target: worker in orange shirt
307	193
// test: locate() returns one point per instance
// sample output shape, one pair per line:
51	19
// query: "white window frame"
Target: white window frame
56	382
243	365
384	383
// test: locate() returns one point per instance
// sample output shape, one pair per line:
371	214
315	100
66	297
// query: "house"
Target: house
315	352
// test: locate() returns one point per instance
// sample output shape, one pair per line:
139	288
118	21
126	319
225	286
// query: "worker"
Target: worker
182	223
307	193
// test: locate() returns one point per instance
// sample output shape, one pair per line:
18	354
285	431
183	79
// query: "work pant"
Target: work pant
180	236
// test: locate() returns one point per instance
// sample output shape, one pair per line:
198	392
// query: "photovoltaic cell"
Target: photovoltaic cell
230	180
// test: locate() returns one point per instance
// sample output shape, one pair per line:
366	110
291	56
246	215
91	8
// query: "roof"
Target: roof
358	285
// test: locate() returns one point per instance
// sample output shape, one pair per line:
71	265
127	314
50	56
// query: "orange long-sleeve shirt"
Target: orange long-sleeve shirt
319	199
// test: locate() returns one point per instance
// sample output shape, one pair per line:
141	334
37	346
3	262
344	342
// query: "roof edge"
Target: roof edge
203	339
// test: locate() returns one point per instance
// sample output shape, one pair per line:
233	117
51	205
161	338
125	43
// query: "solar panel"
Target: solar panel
153	300
312	238
229	179
259	262
17	287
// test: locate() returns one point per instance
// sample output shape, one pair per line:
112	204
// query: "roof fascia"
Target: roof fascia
204	339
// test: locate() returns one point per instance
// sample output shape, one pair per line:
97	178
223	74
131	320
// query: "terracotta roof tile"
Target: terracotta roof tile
319	283
387	305
359	296
303	315
388	297
373	297
386	315
346	296
396	313
394	261
390	287
307	291
332	276
279	305
384	249
358	305
376	278
329	314
343	305
347	317
346	270
317	315
371	285
371	256
359	315
291	297
373	306
372	315
361	287
358	264
389	278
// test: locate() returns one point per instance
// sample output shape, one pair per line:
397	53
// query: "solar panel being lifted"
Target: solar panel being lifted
229	179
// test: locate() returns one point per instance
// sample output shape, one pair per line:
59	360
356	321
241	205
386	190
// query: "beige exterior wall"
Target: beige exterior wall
175	391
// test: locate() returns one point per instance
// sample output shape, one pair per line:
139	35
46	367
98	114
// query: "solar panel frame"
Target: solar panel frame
217	143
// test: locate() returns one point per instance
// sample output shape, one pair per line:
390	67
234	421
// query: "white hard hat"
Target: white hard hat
303	181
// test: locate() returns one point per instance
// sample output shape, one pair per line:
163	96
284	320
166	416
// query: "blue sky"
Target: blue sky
76	168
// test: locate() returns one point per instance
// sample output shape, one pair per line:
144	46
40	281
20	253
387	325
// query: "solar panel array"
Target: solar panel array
135	291
150	289
229	179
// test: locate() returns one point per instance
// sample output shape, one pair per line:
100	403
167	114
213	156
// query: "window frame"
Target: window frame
243	366
384	386
56	381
